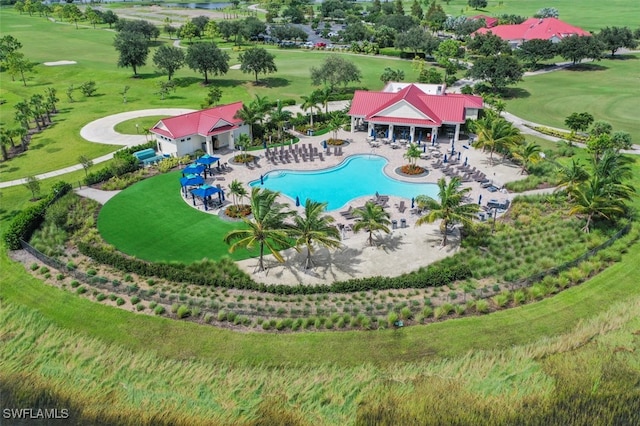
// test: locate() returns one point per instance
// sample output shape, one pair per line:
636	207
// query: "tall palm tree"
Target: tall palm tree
51	99
371	218
262	106
336	122
613	166
23	113
314	228
324	96
249	115
309	103
450	208
21	132
280	116
495	133
571	176
237	191
266	229
528	155
597	198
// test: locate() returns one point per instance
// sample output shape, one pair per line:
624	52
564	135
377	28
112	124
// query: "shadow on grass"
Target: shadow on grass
516	93
622	57
273	82
587	67
186	81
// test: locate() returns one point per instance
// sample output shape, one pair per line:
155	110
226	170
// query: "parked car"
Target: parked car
320	45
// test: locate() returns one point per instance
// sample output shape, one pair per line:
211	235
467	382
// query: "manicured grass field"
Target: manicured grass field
61	145
150	220
591	15
137	125
607	89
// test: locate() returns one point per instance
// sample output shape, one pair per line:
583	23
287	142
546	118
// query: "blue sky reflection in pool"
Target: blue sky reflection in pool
357	176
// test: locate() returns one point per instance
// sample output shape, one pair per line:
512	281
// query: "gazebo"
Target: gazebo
190	180
205	192
193	169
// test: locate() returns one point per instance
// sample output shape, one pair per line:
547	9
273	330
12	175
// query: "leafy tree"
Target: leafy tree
385	36
288	32
488	44
390	74
416	40
72	13
213	97
8	45
292	14
86	163
252	27
371	218
615	38
528	154
547	12
313	228
267	228
200	23
36	102
33	184
207	58
109	17
257	60
145	28
499	71
397	22
532	52
16	63
430	76
211	29
188	31
133	48
94	16
398	8
69	93
435	16
169	59
230	29
495	133
578	122
576	48
165	87
477	4
124	91
416	10
22	133
335	70
449	208
88	88
601	127
376	7
4	141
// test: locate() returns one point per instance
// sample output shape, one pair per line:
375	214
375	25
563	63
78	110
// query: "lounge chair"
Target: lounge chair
402	207
346	212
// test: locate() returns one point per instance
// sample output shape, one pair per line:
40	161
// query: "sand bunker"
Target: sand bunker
235	67
56	63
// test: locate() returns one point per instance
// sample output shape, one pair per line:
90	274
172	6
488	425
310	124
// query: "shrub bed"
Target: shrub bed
410	169
238	212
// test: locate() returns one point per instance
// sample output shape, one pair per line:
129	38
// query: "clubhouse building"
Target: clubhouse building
208	129
413	112
534	28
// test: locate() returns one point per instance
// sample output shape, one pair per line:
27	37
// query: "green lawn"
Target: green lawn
591	15
150	220
137	125
607	89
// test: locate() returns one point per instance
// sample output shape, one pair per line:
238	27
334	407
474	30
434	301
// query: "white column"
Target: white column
232	144
412	131
390	131
370	129
457	134
353	124
210	145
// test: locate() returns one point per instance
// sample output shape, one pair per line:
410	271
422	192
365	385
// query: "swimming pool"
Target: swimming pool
357	176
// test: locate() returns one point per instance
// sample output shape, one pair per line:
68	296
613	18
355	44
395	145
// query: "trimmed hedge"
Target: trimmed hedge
210	274
125	162
30	218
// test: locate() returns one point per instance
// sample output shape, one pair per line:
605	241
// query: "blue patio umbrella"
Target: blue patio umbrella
420	136
264	143
394	137
465	161
261	180
424	148
445	158
191	180
433	142
297	201
413	202
480	199
452	150
373	132
193	169
324	144
386	134
459	155
207	160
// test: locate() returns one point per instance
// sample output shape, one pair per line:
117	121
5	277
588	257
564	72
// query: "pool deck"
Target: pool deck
404	250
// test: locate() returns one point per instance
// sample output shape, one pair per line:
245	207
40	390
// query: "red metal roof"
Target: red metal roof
488	20
205	122
535	28
449	107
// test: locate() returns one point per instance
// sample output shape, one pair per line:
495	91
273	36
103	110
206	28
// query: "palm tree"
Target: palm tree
597	198
237	191
495	133
21	132
262	106
249	115
450	207
314	228
336	122
267	228
324	96
571	176
51	99
613	166
371	218
280	116
528	155
4	141
22	114
310	102
412	154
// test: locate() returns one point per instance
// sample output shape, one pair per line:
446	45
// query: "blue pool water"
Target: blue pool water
357	176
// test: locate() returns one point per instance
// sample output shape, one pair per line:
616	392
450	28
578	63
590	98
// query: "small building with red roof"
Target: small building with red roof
208	129
534	28
416	112
489	22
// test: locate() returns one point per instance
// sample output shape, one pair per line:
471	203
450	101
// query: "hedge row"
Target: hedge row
30	218
434	276
124	162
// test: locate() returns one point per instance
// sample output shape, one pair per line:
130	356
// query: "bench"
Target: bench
147	156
